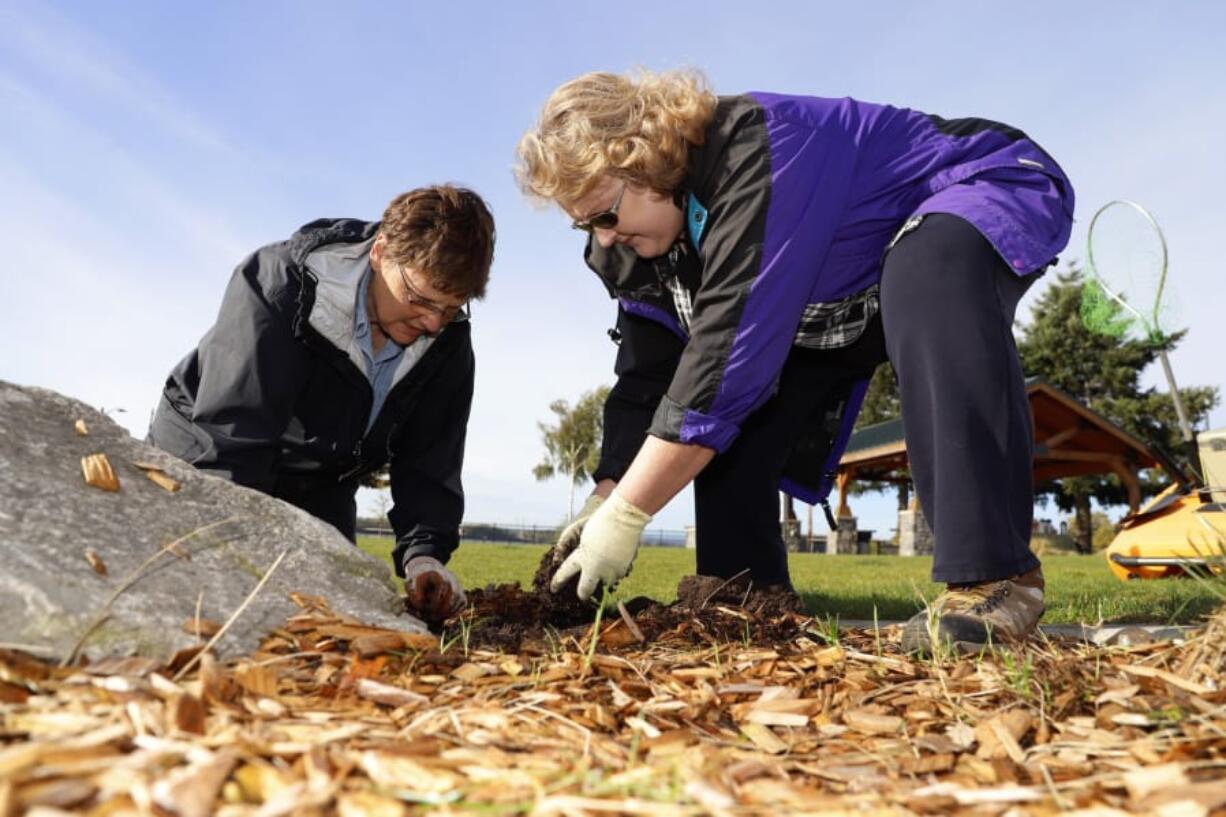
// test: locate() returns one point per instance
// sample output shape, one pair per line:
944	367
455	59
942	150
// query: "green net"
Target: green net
1101	313
1125	293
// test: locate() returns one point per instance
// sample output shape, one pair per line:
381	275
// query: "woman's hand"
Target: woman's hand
607	547
610	538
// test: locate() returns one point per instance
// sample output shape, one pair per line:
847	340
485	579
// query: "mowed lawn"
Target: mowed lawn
1080	589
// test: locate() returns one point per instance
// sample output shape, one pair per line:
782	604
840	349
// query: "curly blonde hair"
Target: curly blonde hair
637	127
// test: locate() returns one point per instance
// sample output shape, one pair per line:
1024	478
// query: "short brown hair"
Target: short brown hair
444	232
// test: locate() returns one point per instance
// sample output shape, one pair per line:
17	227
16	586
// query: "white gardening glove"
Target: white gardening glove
570	534
432	589
607	547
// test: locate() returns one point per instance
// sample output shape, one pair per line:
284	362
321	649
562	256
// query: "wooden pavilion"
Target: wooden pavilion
1070	440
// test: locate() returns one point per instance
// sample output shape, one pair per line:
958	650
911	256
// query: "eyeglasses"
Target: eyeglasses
604	220
446	313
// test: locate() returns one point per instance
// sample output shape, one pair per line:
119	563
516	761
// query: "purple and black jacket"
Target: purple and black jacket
800	198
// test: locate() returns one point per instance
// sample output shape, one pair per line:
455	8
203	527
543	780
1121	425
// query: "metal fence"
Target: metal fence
529	534
653	537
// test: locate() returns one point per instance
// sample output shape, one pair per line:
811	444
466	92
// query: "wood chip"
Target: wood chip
998	737
98	473
387	694
1141	783
630	623
201	627
330	715
471	672
1170	677
159	477
95	561
193	791
374	644
185	713
80	427
764	738
873	723
368	804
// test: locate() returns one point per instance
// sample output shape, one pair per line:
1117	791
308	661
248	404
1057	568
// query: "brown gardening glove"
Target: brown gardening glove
432	589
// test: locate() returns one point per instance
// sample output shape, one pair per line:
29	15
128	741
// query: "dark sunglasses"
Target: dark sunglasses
604	220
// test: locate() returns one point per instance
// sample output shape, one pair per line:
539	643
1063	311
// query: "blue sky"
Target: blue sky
145	147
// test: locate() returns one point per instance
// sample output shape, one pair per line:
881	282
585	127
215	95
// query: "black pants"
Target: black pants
324	498
947	307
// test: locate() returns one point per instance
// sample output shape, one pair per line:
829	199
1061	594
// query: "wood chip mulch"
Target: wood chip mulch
334	717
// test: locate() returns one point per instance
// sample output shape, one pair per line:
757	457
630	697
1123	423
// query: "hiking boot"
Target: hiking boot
967	616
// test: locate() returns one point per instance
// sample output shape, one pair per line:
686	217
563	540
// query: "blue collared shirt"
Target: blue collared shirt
381	366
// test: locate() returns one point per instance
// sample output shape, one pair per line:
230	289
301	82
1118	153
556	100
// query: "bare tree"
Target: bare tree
572	442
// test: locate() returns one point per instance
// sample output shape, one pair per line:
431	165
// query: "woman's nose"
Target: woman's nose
605	238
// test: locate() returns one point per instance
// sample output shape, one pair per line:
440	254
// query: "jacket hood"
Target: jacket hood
323	231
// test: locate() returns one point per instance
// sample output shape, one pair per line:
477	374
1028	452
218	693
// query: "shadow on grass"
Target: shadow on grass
847	608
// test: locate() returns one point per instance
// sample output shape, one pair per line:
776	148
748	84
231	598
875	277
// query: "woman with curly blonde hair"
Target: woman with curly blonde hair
767	252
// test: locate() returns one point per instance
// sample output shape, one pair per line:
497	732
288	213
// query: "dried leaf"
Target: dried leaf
98	472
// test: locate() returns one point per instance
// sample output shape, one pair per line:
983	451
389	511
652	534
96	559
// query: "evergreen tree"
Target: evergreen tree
1103	372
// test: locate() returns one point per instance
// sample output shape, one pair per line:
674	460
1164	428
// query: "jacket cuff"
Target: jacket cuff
610	468
416	544
676	423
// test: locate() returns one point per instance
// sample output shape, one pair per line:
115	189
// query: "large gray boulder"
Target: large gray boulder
50	518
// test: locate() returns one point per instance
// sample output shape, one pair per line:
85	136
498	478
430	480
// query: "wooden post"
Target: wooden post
843	481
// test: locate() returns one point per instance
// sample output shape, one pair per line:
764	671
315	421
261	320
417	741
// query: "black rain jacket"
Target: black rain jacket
273	398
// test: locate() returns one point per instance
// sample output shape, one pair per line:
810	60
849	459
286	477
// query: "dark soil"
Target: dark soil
708	610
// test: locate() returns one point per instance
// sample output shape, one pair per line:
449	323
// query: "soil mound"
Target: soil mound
708	609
